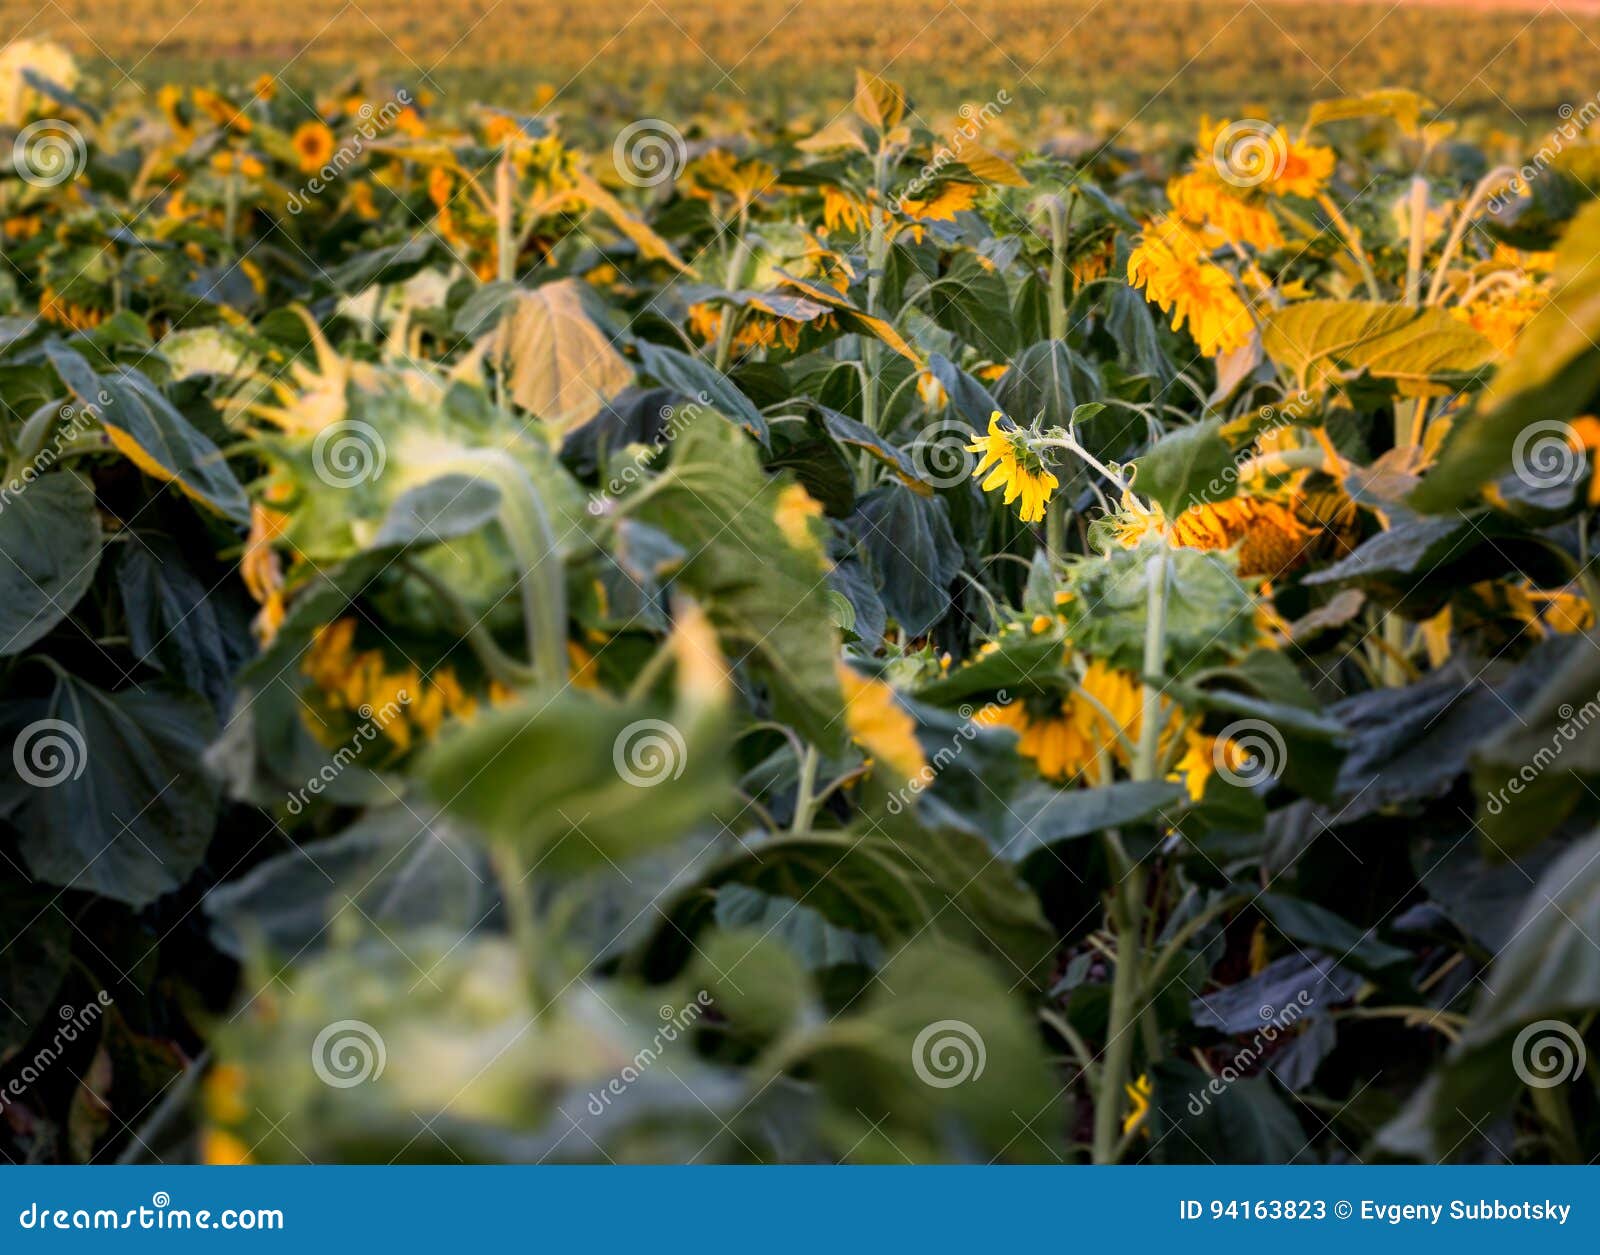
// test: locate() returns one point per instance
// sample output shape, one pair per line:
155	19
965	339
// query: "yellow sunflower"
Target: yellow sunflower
1008	462
1170	265
313	141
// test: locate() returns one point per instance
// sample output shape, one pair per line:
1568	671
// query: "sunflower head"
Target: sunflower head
1010	462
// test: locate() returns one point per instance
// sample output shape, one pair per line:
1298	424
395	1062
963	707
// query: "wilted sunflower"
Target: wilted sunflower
1171	266
1270	535
1008	462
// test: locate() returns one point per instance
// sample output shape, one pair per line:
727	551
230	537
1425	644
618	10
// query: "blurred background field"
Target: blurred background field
1508	65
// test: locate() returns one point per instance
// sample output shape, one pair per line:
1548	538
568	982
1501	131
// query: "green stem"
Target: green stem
521	918
541	577
1058	268
805	797
1127	903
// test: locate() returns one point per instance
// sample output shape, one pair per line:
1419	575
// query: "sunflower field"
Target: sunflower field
873	638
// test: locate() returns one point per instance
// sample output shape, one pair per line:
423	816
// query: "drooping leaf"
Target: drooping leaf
560	365
49	551
114	799
1415	347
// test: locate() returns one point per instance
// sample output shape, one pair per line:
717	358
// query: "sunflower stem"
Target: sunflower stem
1127	901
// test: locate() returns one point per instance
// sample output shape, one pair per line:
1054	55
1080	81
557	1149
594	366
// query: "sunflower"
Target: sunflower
880	725
1011	464
1170	265
1201	199
313	141
1270	536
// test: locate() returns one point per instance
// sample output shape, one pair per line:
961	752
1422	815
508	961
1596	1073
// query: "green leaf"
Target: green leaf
1313	925
35	957
767	597
399	868
1244	1122
1524	1022
49	551
146	428
443	508
1187	466
914	553
1044	815
971	300
896	881
573	782
1046	383
195	629
694	378
114	800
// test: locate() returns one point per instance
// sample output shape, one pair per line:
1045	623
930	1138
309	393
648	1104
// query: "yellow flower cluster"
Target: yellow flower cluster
67	314
1171	264
1094	730
408	706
